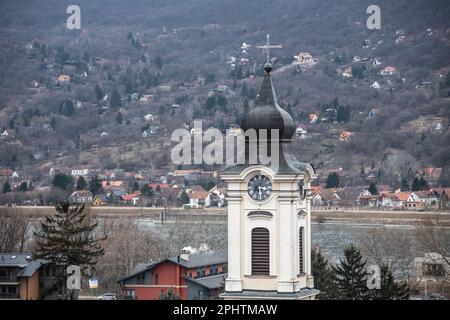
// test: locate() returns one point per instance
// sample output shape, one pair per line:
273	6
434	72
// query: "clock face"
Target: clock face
259	187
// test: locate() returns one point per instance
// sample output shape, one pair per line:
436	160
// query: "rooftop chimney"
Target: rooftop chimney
185	255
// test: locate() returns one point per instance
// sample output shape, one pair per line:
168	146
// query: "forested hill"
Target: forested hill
178	52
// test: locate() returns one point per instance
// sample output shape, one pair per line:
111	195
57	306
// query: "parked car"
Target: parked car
107	296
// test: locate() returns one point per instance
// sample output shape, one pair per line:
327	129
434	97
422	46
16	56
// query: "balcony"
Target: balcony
8	279
9	296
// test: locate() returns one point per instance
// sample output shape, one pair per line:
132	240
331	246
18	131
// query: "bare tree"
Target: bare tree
13	231
435	238
390	247
398	166
127	246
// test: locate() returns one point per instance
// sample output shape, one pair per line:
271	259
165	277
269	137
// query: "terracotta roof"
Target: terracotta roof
402	196
112	184
201	195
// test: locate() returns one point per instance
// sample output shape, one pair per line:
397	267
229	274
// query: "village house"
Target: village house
375	85
146	98
63	79
24	279
313	118
80	197
345	135
349	196
325	197
424	199
301	130
216	197
197	196
389	71
79	172
191	276
107	185
431	266
304	60
100	200
376	61
346	72
131	199
389	200
368	200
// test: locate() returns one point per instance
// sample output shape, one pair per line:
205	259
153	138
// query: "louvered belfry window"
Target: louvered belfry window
260	251
301	237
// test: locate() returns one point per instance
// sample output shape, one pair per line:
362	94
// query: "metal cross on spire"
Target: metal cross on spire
266	48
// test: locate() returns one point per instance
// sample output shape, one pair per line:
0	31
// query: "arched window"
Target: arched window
301	237
260	251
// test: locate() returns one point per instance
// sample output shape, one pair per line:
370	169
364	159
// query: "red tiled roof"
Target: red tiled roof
201	195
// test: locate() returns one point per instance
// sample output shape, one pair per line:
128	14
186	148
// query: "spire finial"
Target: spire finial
266	48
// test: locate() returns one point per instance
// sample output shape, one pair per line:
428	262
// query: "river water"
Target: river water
331	238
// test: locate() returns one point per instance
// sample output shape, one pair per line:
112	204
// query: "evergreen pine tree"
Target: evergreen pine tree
115	99
53	123
423	184
390	289
99	92
6	187
23	186
416	185
147	190
66	108
351	276
119	118
373	188
332	180
63	181
405	185
81	183
323	276
362	172
67	238
95	185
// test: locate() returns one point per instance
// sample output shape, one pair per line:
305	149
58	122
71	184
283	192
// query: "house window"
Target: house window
141	278
156	279
301	236
433	269
213	269
200	272
225	267
260	251
131	295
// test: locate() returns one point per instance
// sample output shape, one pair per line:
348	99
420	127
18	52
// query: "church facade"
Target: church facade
269	212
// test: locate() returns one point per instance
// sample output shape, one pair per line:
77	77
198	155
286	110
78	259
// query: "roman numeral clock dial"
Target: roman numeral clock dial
259	187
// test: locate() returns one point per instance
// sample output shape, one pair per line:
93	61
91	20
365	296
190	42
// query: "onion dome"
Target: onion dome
267	113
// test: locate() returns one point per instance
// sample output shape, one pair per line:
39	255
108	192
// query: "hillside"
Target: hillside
172	59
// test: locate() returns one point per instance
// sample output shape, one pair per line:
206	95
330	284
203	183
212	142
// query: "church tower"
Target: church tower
269	212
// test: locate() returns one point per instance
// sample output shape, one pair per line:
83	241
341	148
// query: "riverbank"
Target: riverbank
360	216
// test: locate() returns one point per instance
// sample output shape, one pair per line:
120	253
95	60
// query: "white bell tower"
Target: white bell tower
269	214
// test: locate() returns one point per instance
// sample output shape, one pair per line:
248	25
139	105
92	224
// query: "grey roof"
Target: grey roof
30	269
195	260
140	267
20	260
305	292
15	259
210	282
201	259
